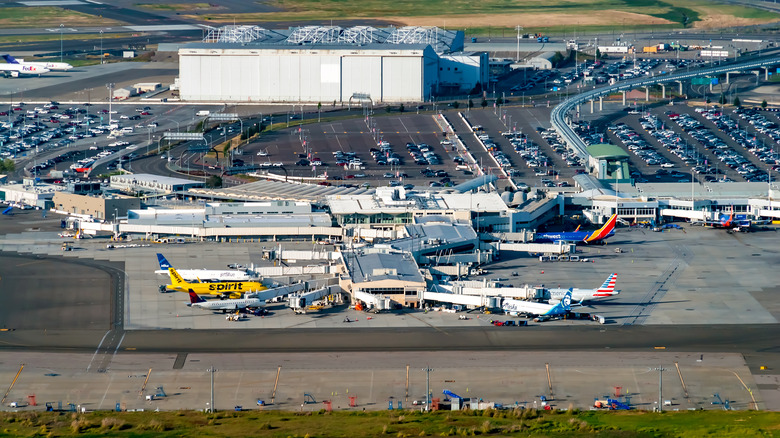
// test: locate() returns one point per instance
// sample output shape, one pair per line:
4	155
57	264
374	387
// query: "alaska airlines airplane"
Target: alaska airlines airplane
607	289
516	307
223	305
608	230
205	275
52	66
231	289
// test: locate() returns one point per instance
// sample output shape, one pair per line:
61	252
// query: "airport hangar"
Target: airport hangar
325	64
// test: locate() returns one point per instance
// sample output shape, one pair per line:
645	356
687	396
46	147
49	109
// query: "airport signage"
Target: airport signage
223	116
187	136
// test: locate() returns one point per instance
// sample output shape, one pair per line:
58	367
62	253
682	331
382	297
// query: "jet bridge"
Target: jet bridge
270	294
376	302
299	302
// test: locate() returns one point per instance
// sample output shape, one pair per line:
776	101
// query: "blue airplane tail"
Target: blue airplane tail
564	306
164	265
8	210
10	59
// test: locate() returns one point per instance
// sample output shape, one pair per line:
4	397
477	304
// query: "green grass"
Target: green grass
679	12
518	423
51	17
175	6
55	36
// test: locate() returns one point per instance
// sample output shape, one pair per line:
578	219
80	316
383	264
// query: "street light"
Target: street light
101	46
61	26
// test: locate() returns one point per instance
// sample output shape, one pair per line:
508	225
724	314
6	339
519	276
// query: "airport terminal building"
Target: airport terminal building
327	64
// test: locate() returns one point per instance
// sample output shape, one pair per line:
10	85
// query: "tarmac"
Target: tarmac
288	381
683	294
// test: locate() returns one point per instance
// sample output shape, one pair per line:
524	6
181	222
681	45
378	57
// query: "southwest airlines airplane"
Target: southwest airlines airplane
608	230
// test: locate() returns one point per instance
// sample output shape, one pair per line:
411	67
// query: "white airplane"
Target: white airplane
607	289
20	70
517	307
52	66
223	305
205	275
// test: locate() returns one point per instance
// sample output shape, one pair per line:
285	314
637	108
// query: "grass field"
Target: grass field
531	14
45	16
177	6
56	37
517	423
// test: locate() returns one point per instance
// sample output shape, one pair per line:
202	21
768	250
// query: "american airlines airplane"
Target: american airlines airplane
52	66
607	289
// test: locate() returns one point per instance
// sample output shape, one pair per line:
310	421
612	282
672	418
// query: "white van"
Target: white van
462	167
127	130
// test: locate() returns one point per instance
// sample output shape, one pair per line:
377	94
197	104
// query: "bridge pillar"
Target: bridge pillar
624	98
591	106
681	87
728	75
601	103
757	73
647	94
663	91
766	73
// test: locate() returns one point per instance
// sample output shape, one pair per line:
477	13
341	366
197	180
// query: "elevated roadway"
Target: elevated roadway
559	114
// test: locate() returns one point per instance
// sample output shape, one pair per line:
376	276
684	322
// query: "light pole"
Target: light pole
110	87
427	387
660	384
61	26
101	46
212	370
519	28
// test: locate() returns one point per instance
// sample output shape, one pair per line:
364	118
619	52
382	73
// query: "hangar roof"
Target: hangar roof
441	40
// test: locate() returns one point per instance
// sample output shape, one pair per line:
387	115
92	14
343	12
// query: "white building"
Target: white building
326	64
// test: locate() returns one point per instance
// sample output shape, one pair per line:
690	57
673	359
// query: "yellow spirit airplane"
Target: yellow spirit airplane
231	289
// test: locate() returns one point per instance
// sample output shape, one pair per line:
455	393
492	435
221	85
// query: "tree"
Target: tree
598	53
455	104
401	108
557	59
737	101
763	103
471	103
484	102
7	165
499	101
722	99
214	182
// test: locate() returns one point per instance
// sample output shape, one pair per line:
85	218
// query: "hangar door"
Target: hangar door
361	74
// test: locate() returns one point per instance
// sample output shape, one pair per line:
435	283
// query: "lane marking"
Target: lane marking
97	349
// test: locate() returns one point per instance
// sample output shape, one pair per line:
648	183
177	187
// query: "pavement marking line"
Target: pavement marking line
755	404
238	386
96	350
402	124
117	345
105	394
17	377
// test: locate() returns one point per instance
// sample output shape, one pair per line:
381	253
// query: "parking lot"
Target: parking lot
715	144
377	151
